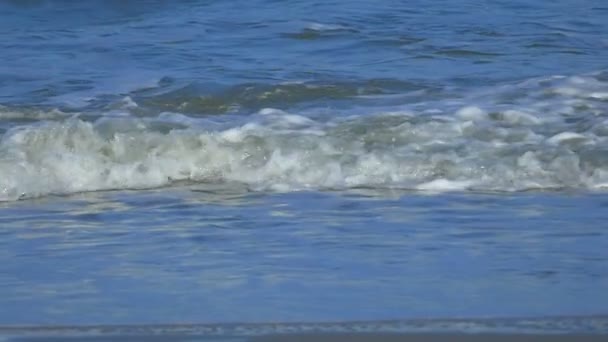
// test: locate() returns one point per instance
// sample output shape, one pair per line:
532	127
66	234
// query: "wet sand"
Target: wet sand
353	337
549	329
325	337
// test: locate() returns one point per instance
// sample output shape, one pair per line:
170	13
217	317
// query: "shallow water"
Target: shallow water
196	254
259	161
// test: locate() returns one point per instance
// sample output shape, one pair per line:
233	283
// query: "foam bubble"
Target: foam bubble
599	95
471	113
441	185
565	137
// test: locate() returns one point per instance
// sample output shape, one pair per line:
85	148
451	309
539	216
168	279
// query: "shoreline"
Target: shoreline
574	328
323	337
431	337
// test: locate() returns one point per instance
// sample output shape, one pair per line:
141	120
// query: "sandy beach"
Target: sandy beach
429	338
325	337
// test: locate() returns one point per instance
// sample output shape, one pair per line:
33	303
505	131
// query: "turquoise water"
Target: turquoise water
263	161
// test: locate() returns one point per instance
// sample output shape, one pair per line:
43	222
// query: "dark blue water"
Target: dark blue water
281	161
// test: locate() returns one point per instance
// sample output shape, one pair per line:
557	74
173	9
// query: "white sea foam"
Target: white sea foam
444	185
325	27
531	144
471	113
31	114
564	137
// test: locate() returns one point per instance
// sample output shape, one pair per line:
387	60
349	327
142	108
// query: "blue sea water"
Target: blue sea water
168	162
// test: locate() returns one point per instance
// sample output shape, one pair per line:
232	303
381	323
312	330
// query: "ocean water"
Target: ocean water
211	162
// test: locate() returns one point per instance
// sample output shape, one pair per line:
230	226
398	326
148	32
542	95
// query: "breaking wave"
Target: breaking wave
542	134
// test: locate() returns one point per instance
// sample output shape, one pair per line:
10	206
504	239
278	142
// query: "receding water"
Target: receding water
224	255
263	161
